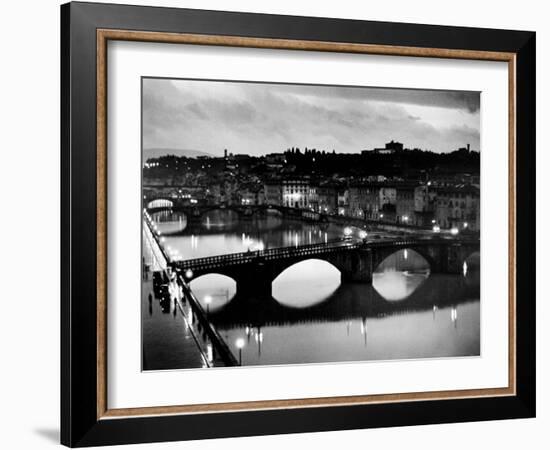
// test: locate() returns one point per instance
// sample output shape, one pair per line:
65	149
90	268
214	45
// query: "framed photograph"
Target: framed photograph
276	224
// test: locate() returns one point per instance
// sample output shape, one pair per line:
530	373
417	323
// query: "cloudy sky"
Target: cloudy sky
257	118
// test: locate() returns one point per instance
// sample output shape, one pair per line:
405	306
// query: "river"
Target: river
312	316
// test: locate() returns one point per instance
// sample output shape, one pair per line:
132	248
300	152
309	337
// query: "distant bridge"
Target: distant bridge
195	213
356	261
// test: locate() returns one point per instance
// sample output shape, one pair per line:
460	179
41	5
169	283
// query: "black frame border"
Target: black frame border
79	423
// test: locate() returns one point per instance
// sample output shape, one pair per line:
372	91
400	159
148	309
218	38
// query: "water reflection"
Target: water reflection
213	291
357	323
397	286
220	219
306	283
313	317
169	221
400	274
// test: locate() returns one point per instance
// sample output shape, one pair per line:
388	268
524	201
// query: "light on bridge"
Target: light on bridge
210	353
189	274
207	300
239	343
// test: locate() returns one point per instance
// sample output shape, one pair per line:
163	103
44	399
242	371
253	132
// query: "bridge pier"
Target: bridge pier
193	220
356	267
450	259
255	281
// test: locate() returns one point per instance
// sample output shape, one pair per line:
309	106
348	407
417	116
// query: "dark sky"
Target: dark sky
258	118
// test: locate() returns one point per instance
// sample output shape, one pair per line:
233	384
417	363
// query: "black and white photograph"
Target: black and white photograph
296	224
275	225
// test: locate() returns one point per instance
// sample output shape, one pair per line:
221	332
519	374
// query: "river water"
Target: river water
312	316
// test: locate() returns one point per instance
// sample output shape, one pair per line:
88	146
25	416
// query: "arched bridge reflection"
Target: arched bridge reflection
349	301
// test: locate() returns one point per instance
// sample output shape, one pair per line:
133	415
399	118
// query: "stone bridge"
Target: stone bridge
254	272
195	213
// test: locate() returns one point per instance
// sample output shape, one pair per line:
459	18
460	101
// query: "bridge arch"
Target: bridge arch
319	262
160	203
203	212
472	264
213	290
409	258
273	210
202	278
299	286
473	258
279	269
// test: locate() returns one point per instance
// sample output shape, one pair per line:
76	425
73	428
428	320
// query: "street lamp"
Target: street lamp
347	232
207	300
239	343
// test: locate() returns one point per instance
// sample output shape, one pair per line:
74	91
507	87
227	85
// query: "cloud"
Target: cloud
258	118
465	100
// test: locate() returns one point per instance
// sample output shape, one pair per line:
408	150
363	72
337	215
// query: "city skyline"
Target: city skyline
262	118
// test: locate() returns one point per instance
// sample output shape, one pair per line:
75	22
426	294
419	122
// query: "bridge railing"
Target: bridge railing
244	257
421	241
